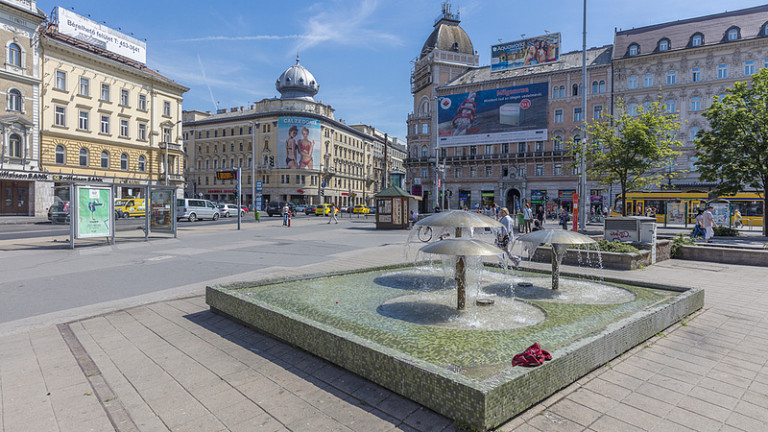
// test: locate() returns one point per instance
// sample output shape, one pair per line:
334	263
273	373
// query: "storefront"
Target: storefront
14	197
565	198
488	198
596	201
465	198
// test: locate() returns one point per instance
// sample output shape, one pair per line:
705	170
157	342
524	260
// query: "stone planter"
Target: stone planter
610	260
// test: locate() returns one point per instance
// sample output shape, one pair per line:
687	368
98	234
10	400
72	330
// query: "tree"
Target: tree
633	149
734	151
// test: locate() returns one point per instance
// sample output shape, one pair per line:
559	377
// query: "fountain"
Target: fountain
398	326
560	240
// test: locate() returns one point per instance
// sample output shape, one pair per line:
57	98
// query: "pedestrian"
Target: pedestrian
564	219
527	217
698	228
540	214
709	224
286	212
507	235
332	214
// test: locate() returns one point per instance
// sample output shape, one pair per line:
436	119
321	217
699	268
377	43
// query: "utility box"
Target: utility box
629	229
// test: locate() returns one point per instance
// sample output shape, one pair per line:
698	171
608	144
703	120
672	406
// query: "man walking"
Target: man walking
286	214
332	215
709	224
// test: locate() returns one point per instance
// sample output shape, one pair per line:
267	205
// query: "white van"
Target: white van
193	209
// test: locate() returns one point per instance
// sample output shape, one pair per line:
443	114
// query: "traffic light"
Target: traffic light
322	192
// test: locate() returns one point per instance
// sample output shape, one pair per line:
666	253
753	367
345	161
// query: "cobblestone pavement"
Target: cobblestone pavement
173	365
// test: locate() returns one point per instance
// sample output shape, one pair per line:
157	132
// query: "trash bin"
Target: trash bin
257	215
520	222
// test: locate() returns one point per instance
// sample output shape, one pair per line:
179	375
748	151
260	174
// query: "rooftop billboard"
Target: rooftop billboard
508	114
81	28
525	52
298	141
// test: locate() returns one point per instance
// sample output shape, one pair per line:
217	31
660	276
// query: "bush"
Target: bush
608	246
724	231
679	241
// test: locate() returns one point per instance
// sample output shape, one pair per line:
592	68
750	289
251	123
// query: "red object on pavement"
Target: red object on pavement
289	218
532	356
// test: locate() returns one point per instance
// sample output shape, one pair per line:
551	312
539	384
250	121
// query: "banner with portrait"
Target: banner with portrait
298	143
525	52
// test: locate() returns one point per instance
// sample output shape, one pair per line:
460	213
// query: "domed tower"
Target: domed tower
297	83
447	53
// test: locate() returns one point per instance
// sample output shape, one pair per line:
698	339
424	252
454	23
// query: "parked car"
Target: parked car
245	208
361	209
275	208
194	209
301	208
324	210
228	210
310	209
58	213
372	210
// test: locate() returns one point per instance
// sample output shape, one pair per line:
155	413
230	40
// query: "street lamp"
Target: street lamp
253	164
164	145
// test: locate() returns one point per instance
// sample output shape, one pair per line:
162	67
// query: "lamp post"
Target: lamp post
253	164
164	145
583	161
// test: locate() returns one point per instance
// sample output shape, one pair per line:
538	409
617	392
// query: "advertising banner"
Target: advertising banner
162	206
93	212
675	212
525	52
720	211
81	28
508	114
299	142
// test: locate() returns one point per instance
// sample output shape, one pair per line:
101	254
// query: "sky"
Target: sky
231	52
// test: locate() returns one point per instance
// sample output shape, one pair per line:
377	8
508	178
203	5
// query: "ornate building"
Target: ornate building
288	149
20	193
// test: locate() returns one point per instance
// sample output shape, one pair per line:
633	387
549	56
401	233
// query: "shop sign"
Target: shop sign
26	175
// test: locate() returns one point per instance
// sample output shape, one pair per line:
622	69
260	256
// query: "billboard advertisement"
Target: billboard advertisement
93	212
81	28
508	114
298	141
525	52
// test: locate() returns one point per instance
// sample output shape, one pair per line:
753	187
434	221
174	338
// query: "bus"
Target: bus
654	204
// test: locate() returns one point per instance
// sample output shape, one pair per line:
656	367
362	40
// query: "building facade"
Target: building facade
20	192
107	119
684	64
288	149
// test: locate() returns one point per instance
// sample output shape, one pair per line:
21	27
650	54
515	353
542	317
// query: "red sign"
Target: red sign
525	104
345	193
575	212
301	191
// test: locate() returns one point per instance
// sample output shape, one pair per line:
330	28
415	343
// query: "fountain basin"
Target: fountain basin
461	373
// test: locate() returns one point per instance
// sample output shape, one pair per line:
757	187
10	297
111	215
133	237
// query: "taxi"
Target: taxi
361	209
324	210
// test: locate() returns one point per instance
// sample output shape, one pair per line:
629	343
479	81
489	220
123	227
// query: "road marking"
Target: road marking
160	258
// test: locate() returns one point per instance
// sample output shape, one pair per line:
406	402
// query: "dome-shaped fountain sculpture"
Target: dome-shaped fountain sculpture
560	240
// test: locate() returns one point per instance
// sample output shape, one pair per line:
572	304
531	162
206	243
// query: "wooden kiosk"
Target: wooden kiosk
393	207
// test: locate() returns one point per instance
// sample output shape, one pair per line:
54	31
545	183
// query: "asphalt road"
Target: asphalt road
41	284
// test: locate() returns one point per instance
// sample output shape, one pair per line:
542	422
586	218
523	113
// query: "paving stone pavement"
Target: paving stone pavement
174	365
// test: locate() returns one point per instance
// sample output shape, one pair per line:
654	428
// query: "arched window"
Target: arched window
595	87
733	33
633	50
575	90
124	162
663	45
142	163
83	156
557	143
632	109
694	131
104	159
697	39
15	145
602	86
61	154
14	100
424	152
14	55
425	106
670	106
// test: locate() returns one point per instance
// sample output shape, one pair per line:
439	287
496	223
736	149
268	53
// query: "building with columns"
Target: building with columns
290	148
20	193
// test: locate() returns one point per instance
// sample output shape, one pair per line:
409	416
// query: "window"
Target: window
61	154
60	116
695	74
595	87
671	77
539	170
732	34
577	114
695	103
124	162
694	131
124	128
749	67
521	147
539	146
557	143
142	132
143	102
14	55
425	128
648	80
697	40
124	96
634	49
664	45
457	172
14	142
632	109
522	172
473	172
61	80
167	109
83	157
558	170
597	113
142	163
167	137
575	90
670	105
104	159
558	116
722	71
83	124
14	100
85	86
105	124
632	82
602	86
105	92
554	92
488	171
423	173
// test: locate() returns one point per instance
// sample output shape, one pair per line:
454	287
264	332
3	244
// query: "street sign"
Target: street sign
259	186
322	185
226	175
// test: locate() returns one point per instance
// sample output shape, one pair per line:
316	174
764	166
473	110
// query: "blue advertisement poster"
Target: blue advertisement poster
508	114
298	141
525	52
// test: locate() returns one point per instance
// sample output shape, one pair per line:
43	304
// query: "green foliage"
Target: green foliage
608	246
633	150
733	152
679	241
724	231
